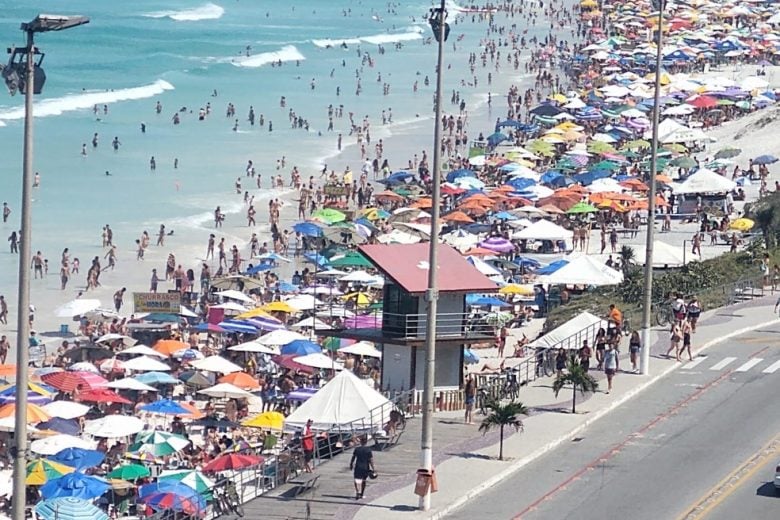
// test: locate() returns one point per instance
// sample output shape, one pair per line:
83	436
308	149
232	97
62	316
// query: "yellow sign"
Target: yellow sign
157	302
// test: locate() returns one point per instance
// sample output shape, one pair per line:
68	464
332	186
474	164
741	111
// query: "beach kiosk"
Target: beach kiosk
400	327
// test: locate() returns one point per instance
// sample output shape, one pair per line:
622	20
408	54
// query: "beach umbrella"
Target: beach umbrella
280	337
35	413
65	409
112	365
232	461
581	207
470	357
300	347
145	457
683	162
169	346
142	350
158	443
103	395
319	360
266	420
169	501
129	472
78	458
487	301
56	443
351	259
497	319
187	354
114	426
84	366
498	244
190	478
69	508
216	364
255	346
727	153
70	381
42	470
309	229
165	407
225	391
241	380
76	485
279	307
742	224
76	307
156	378
514	288
765	159
60	425
328	216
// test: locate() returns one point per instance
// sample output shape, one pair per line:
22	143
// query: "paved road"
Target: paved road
659	453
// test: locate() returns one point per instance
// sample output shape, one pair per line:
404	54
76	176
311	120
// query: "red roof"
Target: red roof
407	265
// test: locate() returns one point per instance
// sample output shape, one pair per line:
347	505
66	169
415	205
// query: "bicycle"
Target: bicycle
545	363
664	316
226	500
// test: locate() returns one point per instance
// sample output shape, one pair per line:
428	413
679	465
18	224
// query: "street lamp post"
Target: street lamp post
644	362
440	30
21	74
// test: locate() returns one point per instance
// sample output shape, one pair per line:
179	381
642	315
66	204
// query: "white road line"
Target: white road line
750	364
723	363
771	369
692	364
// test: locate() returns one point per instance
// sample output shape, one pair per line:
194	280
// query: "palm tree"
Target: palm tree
577	377
627	255
503	415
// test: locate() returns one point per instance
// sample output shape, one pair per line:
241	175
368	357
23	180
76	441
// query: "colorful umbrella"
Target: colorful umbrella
79	458
190	478
267	420
742	224
35	413
69	508
102	395
165	407
241	380
70	381
59	425
328	216
76	485
42	470
169	346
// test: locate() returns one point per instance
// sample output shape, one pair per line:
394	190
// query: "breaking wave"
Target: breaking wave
205	12
415	33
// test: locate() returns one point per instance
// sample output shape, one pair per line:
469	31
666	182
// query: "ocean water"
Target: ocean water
134	54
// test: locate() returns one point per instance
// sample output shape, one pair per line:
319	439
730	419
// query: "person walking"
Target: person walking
634	346
560	361
362	464
694	311
118	297
611	365
674	343
307	443
686	339
470	394
601	347
585	354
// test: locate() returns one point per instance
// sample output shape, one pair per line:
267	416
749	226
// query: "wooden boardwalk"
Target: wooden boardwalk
334	497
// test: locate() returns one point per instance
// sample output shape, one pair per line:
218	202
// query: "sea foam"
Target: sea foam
414	33
286	53
71	102
205	12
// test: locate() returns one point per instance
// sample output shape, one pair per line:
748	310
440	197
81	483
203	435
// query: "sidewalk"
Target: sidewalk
469	467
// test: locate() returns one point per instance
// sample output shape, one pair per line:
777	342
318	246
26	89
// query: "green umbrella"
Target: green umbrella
605	165
683	162
600	147
728	153
190	478
637	144
582	207
351	259
158	443
498	318
130	472
328	215
331	343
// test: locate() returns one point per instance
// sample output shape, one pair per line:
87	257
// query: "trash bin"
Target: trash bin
425	480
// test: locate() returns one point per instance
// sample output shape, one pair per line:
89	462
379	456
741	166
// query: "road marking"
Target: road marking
750	364
723	363
691	364
723	489
771	369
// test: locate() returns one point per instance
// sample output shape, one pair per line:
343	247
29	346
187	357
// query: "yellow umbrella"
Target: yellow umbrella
742	224
35	413
254	313
560	98
42	470
516	288
279	307
359	297
268	420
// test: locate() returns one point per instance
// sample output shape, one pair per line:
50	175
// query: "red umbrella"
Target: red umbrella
703	102
103	395
232	461
70	381
286	361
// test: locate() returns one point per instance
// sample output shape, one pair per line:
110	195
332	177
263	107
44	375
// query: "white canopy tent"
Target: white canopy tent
664	255
705	181
556	338
584	270
346	402
543	230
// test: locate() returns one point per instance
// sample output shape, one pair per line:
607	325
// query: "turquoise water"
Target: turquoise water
134	54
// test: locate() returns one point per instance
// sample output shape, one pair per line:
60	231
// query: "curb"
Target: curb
460	501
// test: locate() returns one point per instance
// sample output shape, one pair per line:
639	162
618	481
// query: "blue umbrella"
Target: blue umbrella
259	268
308	229
489	301
166	486
57	424
455	174
765	159
69	508
156	378
238	326
524	261
165	407
208	327
504	215
521	183
398	178
262	323
78	458
301	347
470	357
316	259
552	267
77	485
287	287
